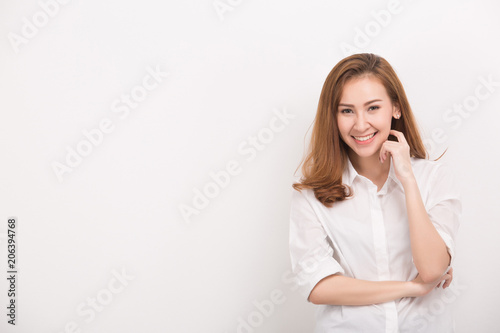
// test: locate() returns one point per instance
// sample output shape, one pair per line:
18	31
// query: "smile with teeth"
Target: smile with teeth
364	138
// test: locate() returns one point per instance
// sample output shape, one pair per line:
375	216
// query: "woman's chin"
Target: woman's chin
366	153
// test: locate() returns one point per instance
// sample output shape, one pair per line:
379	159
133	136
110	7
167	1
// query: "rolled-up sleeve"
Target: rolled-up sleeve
310	250
445	206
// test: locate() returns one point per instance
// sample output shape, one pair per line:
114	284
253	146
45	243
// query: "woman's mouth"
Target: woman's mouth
364	140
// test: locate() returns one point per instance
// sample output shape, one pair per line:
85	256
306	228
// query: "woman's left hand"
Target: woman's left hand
447	282
400	153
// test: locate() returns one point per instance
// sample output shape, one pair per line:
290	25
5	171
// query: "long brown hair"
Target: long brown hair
327	157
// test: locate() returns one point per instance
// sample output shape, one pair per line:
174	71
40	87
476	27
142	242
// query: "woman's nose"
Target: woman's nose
361	123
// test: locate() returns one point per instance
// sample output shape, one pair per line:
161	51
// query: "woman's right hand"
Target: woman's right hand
420	288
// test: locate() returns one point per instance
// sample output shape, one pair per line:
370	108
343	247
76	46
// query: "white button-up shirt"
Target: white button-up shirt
367	237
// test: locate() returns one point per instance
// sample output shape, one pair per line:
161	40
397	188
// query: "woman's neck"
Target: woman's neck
370	167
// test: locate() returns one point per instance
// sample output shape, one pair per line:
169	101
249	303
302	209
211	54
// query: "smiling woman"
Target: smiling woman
372	221
360	123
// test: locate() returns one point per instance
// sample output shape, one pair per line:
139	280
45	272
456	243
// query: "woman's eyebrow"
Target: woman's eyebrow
369	102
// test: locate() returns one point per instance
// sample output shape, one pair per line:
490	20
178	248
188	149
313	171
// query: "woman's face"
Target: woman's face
364	115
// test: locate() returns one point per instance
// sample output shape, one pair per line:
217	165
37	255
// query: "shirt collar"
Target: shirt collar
350	174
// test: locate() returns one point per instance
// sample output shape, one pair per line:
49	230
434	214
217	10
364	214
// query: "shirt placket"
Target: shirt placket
382	256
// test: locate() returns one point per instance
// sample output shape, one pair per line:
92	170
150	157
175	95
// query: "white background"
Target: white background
228	74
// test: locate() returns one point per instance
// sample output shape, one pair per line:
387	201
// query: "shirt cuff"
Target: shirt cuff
450	245
309	277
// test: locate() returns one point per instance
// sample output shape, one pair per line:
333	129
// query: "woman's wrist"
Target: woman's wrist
409	182
413	289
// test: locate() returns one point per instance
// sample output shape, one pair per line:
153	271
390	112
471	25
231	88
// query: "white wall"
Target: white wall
117	210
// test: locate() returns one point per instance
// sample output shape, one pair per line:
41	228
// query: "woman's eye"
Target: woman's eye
346	111
373	108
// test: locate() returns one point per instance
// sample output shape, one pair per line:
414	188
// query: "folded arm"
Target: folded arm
342	290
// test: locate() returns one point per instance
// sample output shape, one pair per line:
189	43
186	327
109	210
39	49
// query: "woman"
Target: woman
372	220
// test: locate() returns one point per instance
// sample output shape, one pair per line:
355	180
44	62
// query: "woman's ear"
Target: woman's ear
396	113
